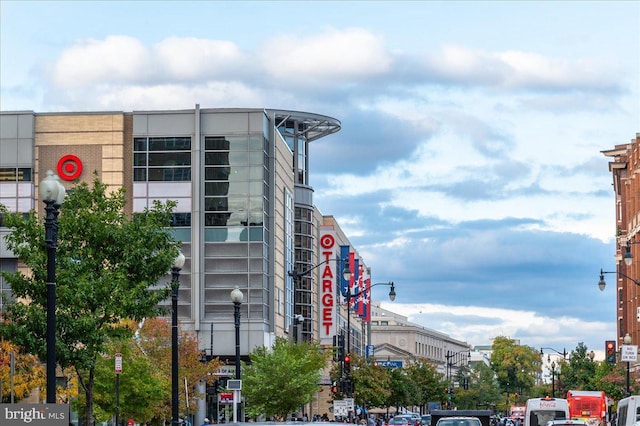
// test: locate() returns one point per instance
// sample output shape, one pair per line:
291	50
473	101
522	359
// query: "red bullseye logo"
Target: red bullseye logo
327	241
69	167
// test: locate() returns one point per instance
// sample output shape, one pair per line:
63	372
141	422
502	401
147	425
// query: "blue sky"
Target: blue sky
468	169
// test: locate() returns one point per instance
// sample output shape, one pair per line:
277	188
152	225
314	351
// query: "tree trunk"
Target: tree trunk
89	399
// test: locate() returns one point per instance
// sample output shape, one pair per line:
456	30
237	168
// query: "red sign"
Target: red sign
327	288
226	396
69	167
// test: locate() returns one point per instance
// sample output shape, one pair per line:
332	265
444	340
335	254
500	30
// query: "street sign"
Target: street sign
628	353
340	408
390	364
350	403
118	363
370	351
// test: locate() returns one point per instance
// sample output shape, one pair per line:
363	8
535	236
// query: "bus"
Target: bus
538	411
590	406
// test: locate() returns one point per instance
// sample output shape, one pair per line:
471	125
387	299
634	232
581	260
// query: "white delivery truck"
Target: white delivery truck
538	411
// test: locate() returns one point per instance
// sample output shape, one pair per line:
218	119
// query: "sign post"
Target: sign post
118	368
629	353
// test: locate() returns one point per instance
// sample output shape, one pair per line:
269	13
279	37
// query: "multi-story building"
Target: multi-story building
625	169
397	342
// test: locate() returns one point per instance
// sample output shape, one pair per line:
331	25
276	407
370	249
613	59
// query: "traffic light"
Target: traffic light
340	346
334	388
610	351
347	365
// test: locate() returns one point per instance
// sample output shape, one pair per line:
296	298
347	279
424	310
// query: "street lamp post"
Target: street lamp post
450	363
178	263
348	296
52	193
602	284
553	379
237	297
563	353
627	341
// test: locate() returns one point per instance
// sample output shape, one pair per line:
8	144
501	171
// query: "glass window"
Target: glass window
216	173
139	144
216	219
216	188
14	174
140	159
170	159
170	144
214	204
216	143
155	165
181	219
165	174
139	175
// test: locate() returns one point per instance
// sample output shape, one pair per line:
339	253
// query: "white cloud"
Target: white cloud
518	69
90	61
478	325
192	58
329	57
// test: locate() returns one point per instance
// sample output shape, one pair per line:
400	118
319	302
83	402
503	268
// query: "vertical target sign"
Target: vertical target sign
327	290
69	167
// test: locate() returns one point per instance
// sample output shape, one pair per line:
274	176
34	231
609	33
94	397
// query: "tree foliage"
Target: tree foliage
28	372
579	372
517	367
108	267
371	383
429	383
283	377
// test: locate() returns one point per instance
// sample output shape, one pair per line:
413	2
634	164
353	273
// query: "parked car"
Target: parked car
425	419
413	419
399	421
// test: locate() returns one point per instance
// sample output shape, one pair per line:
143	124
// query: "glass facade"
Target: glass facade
235	204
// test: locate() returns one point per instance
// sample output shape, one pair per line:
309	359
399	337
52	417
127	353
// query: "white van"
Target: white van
538	411
628	411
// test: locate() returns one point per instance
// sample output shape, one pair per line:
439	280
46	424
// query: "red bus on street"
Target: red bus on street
590	406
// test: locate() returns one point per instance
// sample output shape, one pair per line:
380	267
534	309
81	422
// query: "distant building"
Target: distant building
625	169
398	342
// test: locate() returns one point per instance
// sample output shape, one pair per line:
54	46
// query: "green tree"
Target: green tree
108	268
142	387
282	378
402	389
579	372
516	367
484	389
154	340
371	383
428	381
